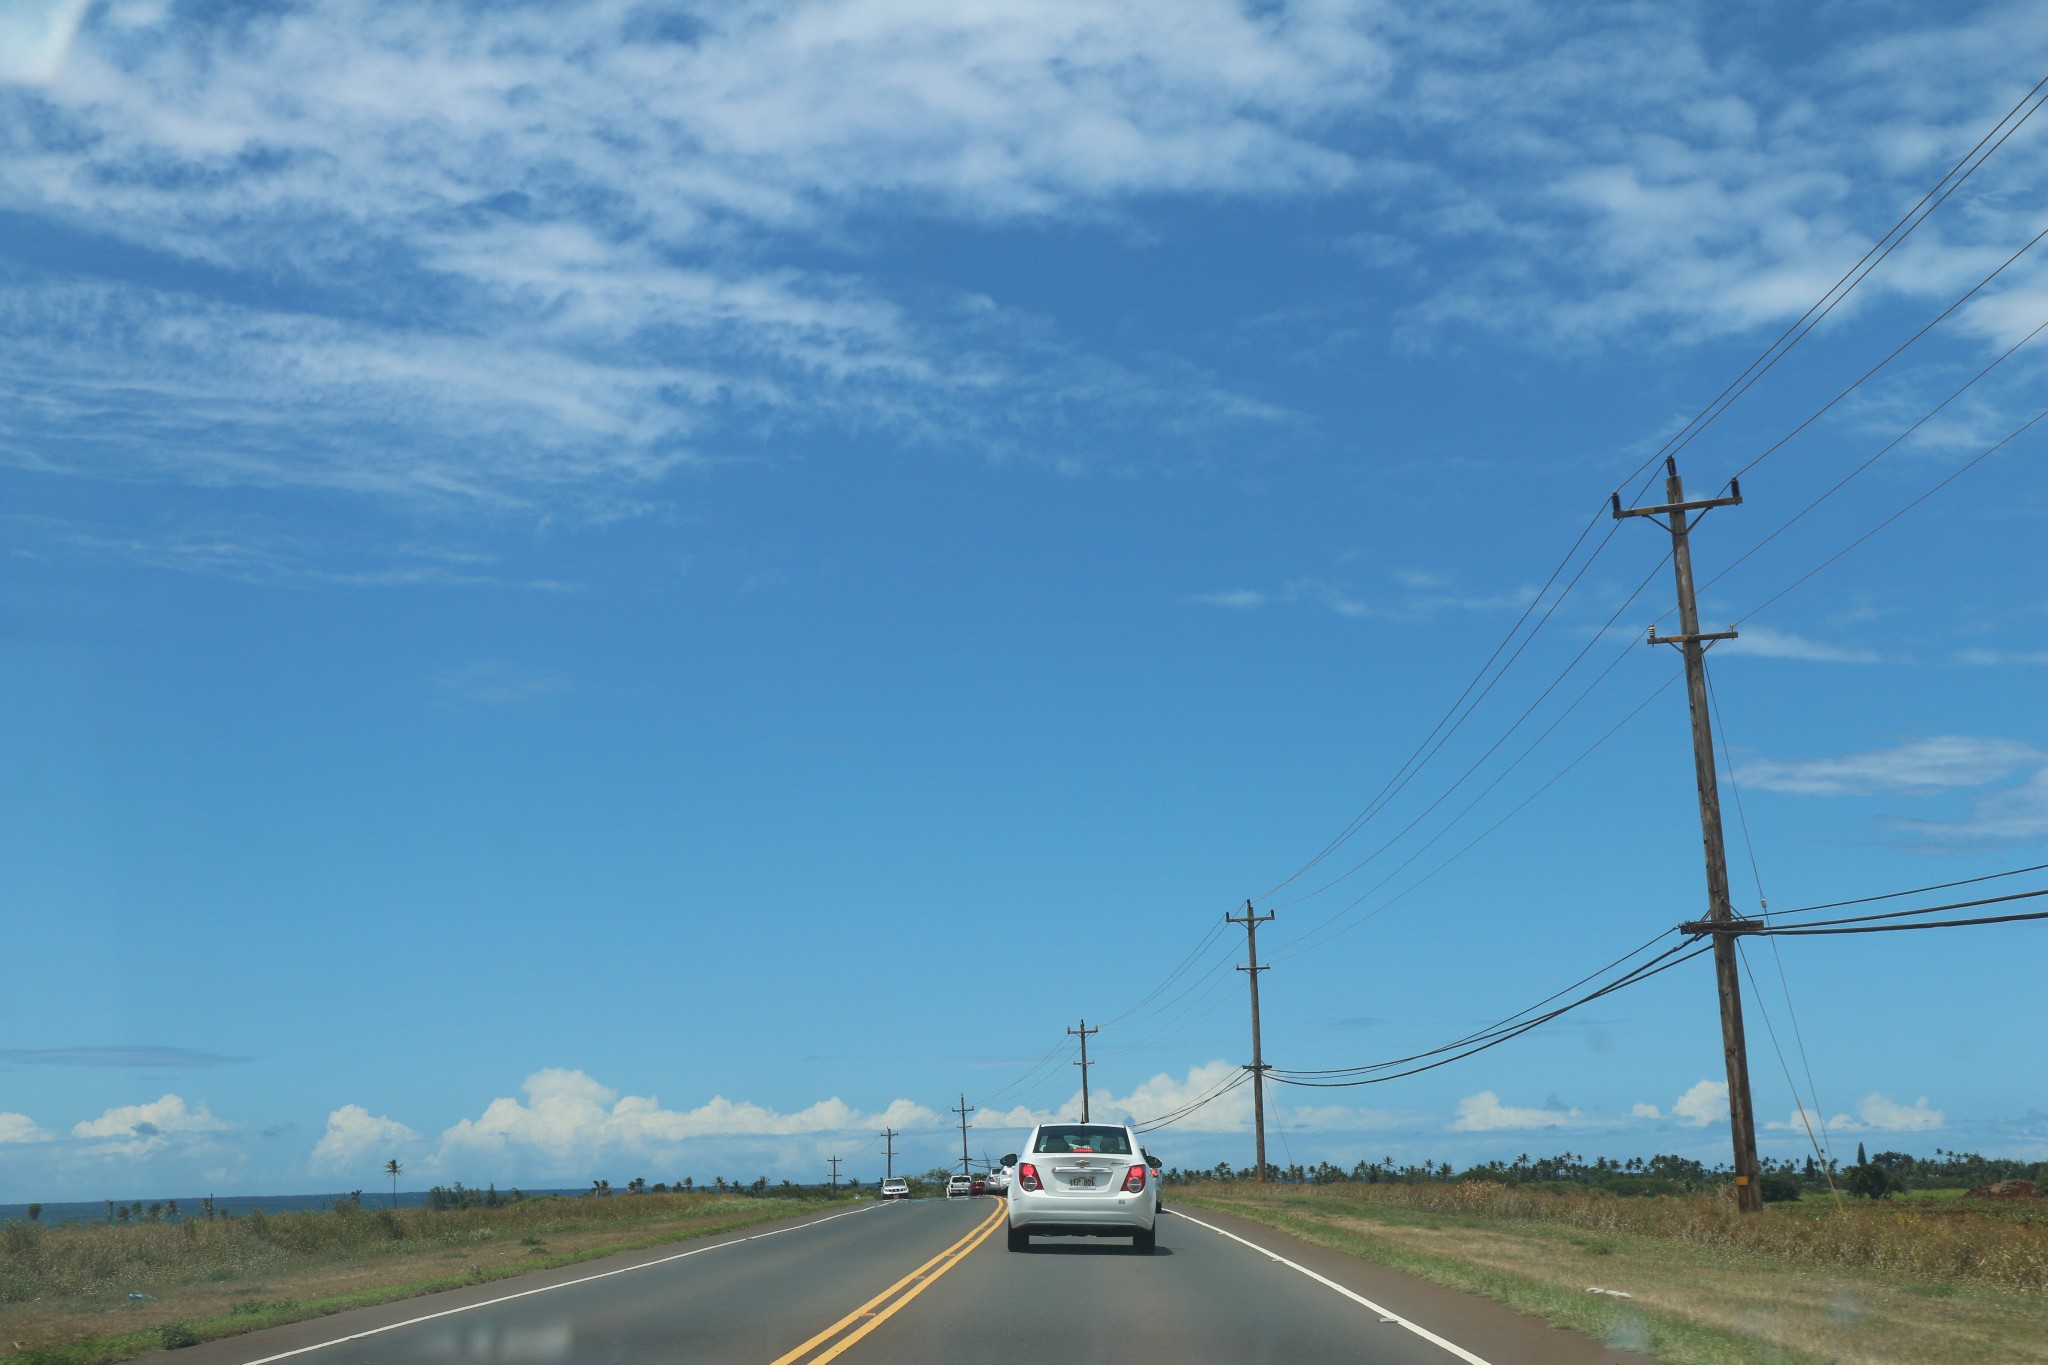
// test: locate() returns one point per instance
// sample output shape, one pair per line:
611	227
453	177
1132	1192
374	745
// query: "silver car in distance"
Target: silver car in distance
1082	1180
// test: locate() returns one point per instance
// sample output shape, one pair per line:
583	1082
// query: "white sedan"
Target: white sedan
1082	1180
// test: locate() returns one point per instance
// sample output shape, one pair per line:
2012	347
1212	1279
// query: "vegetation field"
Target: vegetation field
85	1293
1940	1280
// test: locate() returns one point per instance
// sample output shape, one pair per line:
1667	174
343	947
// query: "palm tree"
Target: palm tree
394	1170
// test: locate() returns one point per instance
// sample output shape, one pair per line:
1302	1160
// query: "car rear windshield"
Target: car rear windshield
1082	1137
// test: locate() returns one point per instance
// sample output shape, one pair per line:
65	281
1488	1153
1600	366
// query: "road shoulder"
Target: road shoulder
1488	1329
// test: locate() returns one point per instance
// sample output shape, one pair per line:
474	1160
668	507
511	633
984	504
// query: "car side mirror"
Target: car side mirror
1009	1160
1154	1162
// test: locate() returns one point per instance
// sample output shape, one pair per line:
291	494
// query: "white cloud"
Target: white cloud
353	1133
513	253
1706	1102
36	36
1231	1113
1645	1111
1765	643
1162	1095
1241	599
22	1128
1885	1115
568	1114
1875	1113
494	682
132	1130
1944	763
1993	658
1484	1113
2016	815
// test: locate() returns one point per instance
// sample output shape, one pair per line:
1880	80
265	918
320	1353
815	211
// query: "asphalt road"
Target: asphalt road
930	1283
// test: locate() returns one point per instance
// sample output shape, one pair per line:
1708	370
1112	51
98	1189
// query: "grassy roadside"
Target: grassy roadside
1693	1301
65	1293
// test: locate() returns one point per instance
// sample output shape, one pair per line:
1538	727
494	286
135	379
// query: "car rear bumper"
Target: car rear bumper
1064	1213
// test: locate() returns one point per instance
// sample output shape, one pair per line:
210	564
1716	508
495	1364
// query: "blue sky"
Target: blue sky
607	589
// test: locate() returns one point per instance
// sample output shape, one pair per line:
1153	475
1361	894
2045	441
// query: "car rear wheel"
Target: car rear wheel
1145	1241
1020	1240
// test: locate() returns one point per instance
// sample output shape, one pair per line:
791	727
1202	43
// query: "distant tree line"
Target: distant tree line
1874	1177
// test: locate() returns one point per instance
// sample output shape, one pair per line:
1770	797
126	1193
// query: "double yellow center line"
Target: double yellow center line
874	1313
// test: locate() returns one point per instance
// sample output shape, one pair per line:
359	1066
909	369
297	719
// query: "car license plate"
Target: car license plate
1083	1182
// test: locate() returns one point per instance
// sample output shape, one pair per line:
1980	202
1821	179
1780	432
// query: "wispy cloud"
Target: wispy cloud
1407	595
494	682
501	254
1944	763
1765	643
1237	599
133	1058
1995	658
2015	815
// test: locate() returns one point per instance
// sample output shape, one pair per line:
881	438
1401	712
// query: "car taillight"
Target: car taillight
1134	1182
1027	1177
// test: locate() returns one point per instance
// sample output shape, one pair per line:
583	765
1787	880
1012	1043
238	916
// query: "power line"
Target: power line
1889	446
1854	276
1217	1092
1300	947
1936	195
1215	931
1820	926
1477	763
1663	962
1915	891
1798	931
1950	478
1389	789
1490	1029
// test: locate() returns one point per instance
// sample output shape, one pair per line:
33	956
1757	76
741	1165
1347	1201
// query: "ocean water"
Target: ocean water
235	1205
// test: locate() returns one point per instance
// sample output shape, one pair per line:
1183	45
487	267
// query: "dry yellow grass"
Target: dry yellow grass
1863	1286
60	1287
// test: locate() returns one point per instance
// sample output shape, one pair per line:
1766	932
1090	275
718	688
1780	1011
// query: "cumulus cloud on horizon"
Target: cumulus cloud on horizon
1875	1113
132	1130
353	1132
22	1128
568	1114
1484	1113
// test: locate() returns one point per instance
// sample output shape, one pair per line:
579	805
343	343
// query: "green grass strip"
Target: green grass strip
1670	1339
129	1345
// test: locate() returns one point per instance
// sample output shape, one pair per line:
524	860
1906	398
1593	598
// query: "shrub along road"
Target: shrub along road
930	1283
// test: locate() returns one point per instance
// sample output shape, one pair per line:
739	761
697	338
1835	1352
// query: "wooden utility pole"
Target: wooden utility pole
1251	923
1692	642
889	1156
835	1173
963	1111
1084	1031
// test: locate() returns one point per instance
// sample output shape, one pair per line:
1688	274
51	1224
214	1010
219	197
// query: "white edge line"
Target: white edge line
543	1289
1389	1314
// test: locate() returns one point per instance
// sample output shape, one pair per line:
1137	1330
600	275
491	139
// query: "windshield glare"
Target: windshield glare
1082	1137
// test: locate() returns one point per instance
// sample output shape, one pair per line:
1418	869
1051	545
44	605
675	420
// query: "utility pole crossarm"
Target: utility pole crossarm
1679	506
1694	928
